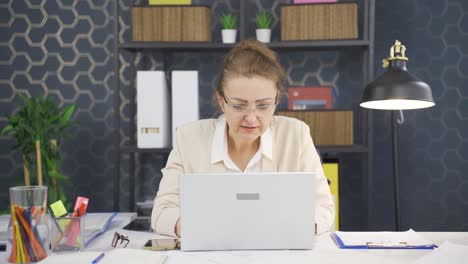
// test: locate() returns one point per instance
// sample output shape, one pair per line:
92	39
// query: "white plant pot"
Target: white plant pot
229	35
264	35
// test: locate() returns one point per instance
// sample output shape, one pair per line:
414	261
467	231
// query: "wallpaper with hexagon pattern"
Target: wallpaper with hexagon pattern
65	49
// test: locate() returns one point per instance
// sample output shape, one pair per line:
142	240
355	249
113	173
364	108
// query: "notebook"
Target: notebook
236	211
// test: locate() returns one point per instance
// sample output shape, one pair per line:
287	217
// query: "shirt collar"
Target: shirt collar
219	145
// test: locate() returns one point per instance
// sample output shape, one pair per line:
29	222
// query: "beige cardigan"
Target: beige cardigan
293	151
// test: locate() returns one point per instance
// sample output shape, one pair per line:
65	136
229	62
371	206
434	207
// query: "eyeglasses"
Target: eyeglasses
243	109
120	238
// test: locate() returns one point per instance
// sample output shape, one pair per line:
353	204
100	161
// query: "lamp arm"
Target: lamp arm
396	183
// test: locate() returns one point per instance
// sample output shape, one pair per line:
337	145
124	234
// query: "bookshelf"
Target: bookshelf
364	45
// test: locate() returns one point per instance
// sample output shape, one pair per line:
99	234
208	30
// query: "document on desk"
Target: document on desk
115	256
71	258
381	240
126	255
446	253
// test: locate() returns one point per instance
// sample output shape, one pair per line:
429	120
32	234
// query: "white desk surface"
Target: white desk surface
325	250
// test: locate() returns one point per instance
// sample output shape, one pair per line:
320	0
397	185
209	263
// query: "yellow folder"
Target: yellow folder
332	172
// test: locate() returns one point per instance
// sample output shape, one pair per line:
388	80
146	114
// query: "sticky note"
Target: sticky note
81	200
58	209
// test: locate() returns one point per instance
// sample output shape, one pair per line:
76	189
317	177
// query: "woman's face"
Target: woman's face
248	104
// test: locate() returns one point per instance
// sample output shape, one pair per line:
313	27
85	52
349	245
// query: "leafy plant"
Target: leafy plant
229	21
43	120
264	20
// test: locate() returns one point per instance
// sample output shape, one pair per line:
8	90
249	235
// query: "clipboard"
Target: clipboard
380	245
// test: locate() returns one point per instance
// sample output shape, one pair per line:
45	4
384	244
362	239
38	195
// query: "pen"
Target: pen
96	260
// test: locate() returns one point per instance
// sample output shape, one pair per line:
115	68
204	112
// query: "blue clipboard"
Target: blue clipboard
97	233
371	245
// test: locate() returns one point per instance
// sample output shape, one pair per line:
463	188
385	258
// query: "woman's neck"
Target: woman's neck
242	146
241	152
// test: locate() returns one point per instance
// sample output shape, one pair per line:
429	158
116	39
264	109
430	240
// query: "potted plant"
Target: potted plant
229	31
263	31
38	128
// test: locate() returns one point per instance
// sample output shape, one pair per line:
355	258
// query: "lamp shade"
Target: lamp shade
397	89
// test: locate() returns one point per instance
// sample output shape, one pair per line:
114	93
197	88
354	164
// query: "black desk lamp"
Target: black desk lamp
397	89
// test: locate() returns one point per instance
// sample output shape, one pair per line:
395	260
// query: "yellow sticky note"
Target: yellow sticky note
58	209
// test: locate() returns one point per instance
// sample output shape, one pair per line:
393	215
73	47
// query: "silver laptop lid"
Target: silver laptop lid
235	211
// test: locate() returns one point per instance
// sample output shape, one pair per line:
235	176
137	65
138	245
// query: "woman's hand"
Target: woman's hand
177	227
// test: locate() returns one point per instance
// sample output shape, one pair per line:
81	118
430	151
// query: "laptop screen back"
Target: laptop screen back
236	211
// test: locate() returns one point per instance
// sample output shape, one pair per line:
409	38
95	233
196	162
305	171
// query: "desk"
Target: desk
325	250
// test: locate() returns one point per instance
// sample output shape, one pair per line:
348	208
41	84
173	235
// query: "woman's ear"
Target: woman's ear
219	100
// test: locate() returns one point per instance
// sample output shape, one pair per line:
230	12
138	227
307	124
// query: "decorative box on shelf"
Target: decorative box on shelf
182	23
170	2
327	127
310	98
325	21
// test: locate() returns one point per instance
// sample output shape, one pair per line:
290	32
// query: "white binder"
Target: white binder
185	107
152	110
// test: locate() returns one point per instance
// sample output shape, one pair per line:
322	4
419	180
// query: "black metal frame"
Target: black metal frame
366	43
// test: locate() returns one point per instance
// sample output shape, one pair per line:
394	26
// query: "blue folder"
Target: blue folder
95	233
371	245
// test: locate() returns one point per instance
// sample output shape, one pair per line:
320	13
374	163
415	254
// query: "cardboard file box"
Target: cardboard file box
171	23
326	21
327	127
170	2
152	110
185	107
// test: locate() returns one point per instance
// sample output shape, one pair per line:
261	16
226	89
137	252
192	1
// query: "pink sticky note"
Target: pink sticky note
81	200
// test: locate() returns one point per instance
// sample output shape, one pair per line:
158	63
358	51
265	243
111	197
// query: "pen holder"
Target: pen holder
67	233
28	230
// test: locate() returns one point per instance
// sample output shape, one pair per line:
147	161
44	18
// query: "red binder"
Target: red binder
307	98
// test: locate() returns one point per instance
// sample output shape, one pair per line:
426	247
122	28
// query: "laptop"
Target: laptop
243	211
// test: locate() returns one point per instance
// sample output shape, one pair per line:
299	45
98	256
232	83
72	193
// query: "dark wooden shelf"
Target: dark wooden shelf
135	149
319	44
342	148
323	149
182	46
209	46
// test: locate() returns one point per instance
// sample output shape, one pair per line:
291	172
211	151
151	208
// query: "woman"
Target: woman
246	138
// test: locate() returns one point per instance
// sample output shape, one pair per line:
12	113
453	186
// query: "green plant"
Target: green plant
264	20
229	21
41	119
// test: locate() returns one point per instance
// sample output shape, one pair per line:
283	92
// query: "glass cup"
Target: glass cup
28	230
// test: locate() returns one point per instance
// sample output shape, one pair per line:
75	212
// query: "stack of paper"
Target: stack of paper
120	255
126	255
447	253
378	240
